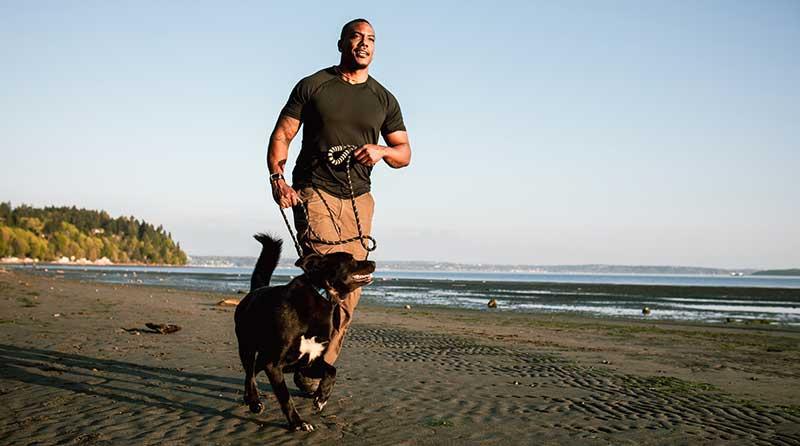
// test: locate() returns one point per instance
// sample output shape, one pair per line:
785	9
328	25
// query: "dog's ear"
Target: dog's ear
309	263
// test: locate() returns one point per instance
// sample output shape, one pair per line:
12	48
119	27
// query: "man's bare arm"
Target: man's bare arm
397	154
282	135
277	152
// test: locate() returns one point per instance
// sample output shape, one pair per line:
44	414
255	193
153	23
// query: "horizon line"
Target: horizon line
541	265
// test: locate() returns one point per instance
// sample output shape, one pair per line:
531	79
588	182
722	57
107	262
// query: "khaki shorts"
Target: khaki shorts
333	222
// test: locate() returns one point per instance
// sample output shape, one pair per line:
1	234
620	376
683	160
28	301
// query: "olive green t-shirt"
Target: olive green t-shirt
334	113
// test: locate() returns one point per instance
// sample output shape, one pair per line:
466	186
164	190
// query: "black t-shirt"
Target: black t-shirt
335	113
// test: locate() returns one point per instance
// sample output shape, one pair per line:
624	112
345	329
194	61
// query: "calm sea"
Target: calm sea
714	299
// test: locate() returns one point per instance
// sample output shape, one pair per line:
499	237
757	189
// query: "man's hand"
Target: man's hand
397	154
284	195
369	154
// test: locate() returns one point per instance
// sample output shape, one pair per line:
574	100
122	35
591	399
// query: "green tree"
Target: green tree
39	248
19	243
5	212
32	224
5	240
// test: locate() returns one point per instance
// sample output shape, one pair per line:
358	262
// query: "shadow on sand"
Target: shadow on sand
129	383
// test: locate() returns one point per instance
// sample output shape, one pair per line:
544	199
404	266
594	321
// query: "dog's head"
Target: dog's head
338	273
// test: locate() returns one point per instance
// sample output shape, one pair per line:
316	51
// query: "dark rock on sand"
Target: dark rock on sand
163	328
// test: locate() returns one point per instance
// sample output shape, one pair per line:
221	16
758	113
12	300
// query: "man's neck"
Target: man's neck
352	75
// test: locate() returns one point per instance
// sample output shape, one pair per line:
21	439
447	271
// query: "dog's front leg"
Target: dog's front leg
275	375
325	385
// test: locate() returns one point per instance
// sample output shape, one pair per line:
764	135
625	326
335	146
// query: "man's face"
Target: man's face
358	45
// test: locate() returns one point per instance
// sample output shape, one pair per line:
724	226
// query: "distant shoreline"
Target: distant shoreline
791	272
13	261
419	265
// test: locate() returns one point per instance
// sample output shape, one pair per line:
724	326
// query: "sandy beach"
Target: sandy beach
79	367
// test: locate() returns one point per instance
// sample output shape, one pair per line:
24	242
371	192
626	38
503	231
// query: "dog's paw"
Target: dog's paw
319	403
302	426
256	407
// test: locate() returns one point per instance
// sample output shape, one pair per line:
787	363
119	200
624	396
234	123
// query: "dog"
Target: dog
286	328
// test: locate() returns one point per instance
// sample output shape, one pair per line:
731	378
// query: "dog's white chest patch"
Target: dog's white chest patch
311	347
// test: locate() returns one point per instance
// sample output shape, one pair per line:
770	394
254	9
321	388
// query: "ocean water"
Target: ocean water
712	299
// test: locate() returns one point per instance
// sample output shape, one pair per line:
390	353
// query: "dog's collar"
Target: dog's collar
323	293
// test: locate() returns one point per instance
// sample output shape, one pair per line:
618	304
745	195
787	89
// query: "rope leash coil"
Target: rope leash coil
337	155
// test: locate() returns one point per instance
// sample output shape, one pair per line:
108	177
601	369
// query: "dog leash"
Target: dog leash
337	155
294	239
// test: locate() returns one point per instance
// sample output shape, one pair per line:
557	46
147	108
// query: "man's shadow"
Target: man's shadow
130	383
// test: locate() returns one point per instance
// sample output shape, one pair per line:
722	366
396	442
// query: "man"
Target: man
338	106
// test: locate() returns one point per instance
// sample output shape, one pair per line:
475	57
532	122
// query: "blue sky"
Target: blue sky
542	132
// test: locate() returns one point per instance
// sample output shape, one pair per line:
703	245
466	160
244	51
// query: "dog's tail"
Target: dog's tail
267	261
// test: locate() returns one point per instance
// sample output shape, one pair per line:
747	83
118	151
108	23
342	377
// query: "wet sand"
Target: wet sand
79	367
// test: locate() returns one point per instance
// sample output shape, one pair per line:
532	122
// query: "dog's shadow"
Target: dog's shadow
130	383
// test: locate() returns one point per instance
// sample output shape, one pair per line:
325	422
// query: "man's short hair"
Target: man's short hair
349	25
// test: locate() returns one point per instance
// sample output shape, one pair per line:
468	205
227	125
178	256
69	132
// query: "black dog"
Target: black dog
285	328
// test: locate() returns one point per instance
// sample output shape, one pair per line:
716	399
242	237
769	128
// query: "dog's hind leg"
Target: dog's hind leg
251	398
275	375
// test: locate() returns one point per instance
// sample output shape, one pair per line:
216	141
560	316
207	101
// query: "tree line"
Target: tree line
53	232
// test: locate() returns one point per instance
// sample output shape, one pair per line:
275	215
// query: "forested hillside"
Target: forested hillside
55	232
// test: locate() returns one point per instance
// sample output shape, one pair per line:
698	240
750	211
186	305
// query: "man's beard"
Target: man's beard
353	63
